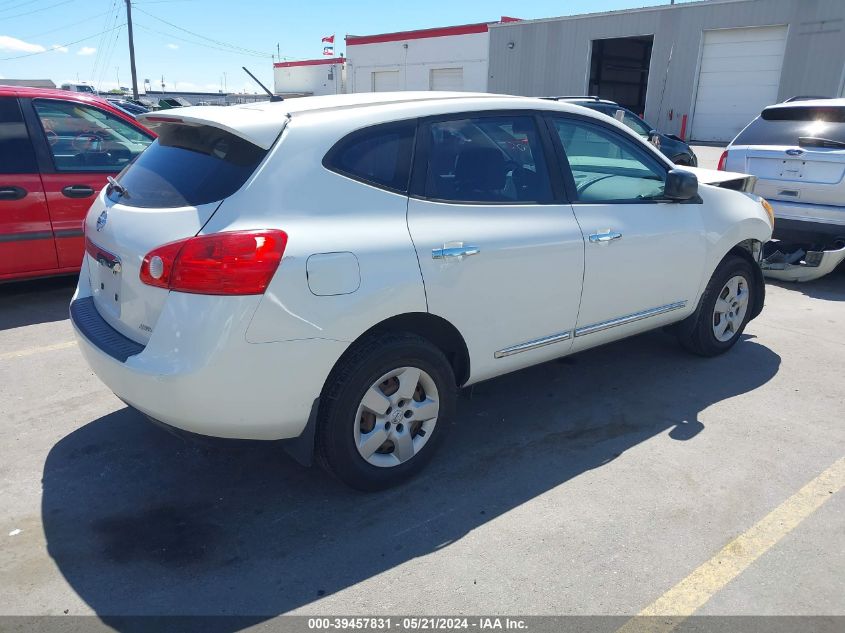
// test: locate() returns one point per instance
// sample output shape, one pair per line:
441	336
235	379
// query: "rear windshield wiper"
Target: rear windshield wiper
115	186
818	141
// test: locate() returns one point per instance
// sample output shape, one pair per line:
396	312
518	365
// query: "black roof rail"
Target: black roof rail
590	97
805	98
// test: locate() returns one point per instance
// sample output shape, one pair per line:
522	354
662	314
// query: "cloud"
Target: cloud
86	50
173	47
59	48
8	43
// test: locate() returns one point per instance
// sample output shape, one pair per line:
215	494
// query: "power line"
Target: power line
111	18
50	50
18	6
65	26
20	15
166	36
203	37
107	55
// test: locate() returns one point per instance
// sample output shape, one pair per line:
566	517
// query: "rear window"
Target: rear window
783	126
188	166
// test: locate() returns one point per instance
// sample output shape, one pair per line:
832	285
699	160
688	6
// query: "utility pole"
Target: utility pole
131	49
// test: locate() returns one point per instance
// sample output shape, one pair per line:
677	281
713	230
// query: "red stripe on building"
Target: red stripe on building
310	62
464	29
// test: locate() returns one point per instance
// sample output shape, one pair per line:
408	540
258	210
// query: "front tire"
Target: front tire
385	408
726	308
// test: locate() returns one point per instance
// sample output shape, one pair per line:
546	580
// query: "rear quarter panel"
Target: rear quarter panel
324	212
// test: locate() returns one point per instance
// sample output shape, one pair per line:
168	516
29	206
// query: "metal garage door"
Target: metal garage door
446	79
386	80
738	77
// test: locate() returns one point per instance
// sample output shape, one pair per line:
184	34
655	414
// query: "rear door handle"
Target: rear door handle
605	236
454	250
78	191
12	193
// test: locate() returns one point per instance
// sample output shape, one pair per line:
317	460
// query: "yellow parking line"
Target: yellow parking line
36	350
695	590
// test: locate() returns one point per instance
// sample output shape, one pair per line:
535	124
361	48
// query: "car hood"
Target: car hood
725	179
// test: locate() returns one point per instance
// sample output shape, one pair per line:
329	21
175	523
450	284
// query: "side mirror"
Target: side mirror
680	185
654	138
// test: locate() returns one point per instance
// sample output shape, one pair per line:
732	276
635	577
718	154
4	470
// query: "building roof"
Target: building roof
444	31
617	12
310	62
32	83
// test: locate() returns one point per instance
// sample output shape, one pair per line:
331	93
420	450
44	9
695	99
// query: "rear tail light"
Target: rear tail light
722	160
230	263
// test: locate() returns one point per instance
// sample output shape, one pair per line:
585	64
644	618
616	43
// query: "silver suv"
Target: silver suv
797	151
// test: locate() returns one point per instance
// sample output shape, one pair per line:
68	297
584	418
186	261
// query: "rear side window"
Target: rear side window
784	126
378	155
16	154
188	166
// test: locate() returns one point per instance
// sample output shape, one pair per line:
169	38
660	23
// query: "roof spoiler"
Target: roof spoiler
260	126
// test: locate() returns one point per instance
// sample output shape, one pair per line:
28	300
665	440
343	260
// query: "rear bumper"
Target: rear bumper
198	373
799	221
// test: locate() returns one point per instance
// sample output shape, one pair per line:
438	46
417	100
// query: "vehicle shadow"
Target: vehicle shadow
38	301
141	522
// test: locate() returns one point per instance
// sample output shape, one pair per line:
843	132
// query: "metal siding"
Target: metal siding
552	56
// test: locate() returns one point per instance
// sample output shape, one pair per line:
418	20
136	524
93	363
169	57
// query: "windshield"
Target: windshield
784	126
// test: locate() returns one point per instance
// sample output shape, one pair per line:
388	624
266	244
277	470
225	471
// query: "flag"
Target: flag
329	38
328	50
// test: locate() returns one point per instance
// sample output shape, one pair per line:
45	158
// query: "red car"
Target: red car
57	149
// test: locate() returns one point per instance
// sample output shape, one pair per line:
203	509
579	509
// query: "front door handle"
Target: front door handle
78	191
454	250
605	236
12	193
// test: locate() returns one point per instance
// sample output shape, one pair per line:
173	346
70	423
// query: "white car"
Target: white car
796	149
330	270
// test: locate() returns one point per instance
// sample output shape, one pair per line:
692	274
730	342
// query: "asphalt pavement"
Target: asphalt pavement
628	476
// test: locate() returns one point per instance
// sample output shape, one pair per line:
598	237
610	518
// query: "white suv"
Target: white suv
330	270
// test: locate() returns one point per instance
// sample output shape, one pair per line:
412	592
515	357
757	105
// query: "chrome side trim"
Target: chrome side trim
629	318
540	342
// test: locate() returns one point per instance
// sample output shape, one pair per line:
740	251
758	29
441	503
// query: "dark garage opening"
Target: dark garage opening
619	70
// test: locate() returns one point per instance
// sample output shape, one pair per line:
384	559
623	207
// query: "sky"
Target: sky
202	44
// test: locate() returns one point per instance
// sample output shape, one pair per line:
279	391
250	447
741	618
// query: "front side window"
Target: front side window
495	159
607	167
85	138
16	153
380	155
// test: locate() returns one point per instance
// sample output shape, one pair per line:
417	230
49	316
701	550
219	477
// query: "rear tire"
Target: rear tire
384	410
726	308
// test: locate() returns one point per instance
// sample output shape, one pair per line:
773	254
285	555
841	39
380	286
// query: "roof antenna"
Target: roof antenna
263	87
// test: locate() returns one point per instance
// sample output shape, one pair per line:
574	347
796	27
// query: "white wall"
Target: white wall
415	62
309	79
